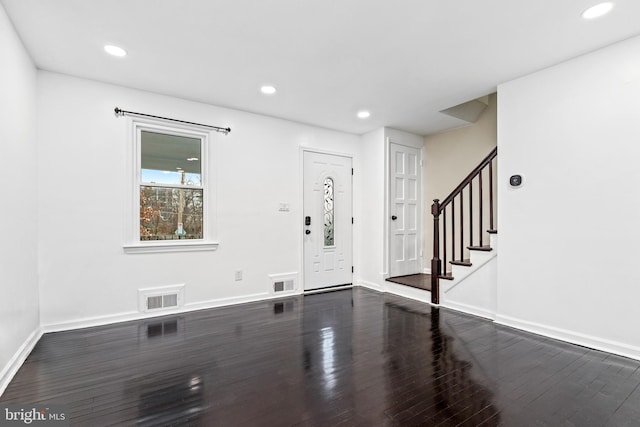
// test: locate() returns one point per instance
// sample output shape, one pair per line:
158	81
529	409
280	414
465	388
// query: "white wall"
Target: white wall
369	265
19	301
86	277
569	237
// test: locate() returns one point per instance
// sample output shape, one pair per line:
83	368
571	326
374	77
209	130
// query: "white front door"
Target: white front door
327	220
404	210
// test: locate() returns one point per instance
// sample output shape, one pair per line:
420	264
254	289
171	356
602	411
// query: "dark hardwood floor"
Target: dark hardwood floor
351	357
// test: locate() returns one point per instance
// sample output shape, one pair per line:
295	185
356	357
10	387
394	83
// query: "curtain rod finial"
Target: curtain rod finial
118	112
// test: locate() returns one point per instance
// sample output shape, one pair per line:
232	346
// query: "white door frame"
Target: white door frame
301	227
387	205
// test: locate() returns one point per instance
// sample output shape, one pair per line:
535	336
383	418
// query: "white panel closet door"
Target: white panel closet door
405	198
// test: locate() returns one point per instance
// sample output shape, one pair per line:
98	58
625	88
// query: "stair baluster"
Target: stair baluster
461	226
480	230
453	229
471	212
491	196
444	240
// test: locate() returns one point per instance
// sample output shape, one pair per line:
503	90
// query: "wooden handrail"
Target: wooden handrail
438	268
469	178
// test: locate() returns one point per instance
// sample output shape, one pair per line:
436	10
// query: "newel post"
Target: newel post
435	261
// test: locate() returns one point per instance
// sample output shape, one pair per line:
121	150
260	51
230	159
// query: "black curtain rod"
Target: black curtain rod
120	112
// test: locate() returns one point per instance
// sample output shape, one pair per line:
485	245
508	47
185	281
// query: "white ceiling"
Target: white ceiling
404	60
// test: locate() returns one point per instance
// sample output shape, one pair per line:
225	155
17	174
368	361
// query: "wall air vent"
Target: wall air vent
283	286
162	301
283	283
153	303
162	298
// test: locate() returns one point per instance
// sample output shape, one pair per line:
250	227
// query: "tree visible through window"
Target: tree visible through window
171	187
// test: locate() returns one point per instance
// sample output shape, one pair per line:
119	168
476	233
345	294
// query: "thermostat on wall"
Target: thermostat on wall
516	181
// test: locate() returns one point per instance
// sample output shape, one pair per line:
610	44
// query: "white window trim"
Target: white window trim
133	244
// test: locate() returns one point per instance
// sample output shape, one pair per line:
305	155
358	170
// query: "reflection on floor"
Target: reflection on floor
351	357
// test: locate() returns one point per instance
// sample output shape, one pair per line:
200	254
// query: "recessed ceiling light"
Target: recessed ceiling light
115	50
363	114
597	10
192	159
268	90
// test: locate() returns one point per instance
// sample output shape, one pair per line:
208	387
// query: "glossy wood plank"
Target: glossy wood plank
343	358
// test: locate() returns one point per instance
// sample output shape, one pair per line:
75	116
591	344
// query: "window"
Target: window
170	189
329	227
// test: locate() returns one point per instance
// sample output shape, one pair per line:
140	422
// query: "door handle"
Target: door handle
307	220
393	218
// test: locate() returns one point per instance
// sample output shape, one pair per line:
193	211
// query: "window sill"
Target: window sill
173	246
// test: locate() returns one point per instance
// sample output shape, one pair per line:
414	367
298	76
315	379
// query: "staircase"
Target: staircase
472	287
465	243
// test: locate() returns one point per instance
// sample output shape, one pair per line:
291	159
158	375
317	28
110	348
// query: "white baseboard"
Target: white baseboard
370	285
135	315
408	292
400	290
572	337
221	302
90	322
12	367
469	309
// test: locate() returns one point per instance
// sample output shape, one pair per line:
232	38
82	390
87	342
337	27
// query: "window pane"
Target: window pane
328	213
170	213
170	159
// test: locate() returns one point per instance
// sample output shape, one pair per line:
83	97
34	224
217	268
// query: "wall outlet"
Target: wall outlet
238	275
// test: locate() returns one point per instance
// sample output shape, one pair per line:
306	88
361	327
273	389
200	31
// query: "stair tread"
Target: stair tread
464	262
480	248
492	231
447	276
419	281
